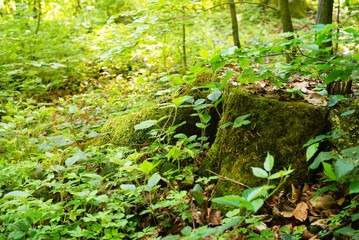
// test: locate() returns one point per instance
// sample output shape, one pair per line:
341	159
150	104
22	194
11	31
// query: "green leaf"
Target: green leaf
225	125
202	106
186	231
311	150
173	153
145	124
206	118
333	76
214	95
199	102
257	204
355	217
346	231
312	47
354	187
44	146
201	125
128	187
205	54
322	156
343	167
154	179
147	166
15	194
231	200
328	171
348	113
259	172
239	121
319	27
269	162
218	65
76	157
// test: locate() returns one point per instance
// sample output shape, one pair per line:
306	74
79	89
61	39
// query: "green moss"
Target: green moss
280	128
121	129
349	123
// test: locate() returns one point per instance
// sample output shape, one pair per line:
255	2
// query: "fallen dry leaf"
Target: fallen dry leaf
214	216
317	99
323	202
306	234
286	214
300	212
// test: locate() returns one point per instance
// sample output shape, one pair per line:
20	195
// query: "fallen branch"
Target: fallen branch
227	179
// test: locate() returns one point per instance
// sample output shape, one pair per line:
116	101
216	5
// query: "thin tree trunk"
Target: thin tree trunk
184	53
286	23
235	32
38	17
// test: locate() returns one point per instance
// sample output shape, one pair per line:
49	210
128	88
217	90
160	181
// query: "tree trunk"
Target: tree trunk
286	24
325	16
232	8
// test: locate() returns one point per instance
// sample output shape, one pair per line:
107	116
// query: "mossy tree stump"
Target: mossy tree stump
280	128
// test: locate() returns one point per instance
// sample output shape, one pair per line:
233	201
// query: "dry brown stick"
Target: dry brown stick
227	179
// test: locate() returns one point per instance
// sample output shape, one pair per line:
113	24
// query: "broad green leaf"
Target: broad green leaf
186	231
102	198
319	27
239	121
16	193
93	135
312	47
180	136
239	124
347	113
231	200
206	118
76	157
203	106
147	166
354	187
259	172
198	188
173	153
257	204
311	150
44	146
154	179
205	54
343	167
218	65
145	124
199	101
355	217
269	162
346	231
214	95
128	187
225	125
333	76
316	139
200	125
322	156
329	171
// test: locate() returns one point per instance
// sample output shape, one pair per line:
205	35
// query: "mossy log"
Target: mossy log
278	127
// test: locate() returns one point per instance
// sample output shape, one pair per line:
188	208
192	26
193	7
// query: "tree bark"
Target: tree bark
235	32
286	23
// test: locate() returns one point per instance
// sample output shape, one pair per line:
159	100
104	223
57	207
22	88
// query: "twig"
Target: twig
227	179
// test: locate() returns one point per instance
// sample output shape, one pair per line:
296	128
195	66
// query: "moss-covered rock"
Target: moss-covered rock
280	128
348	123
121	129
